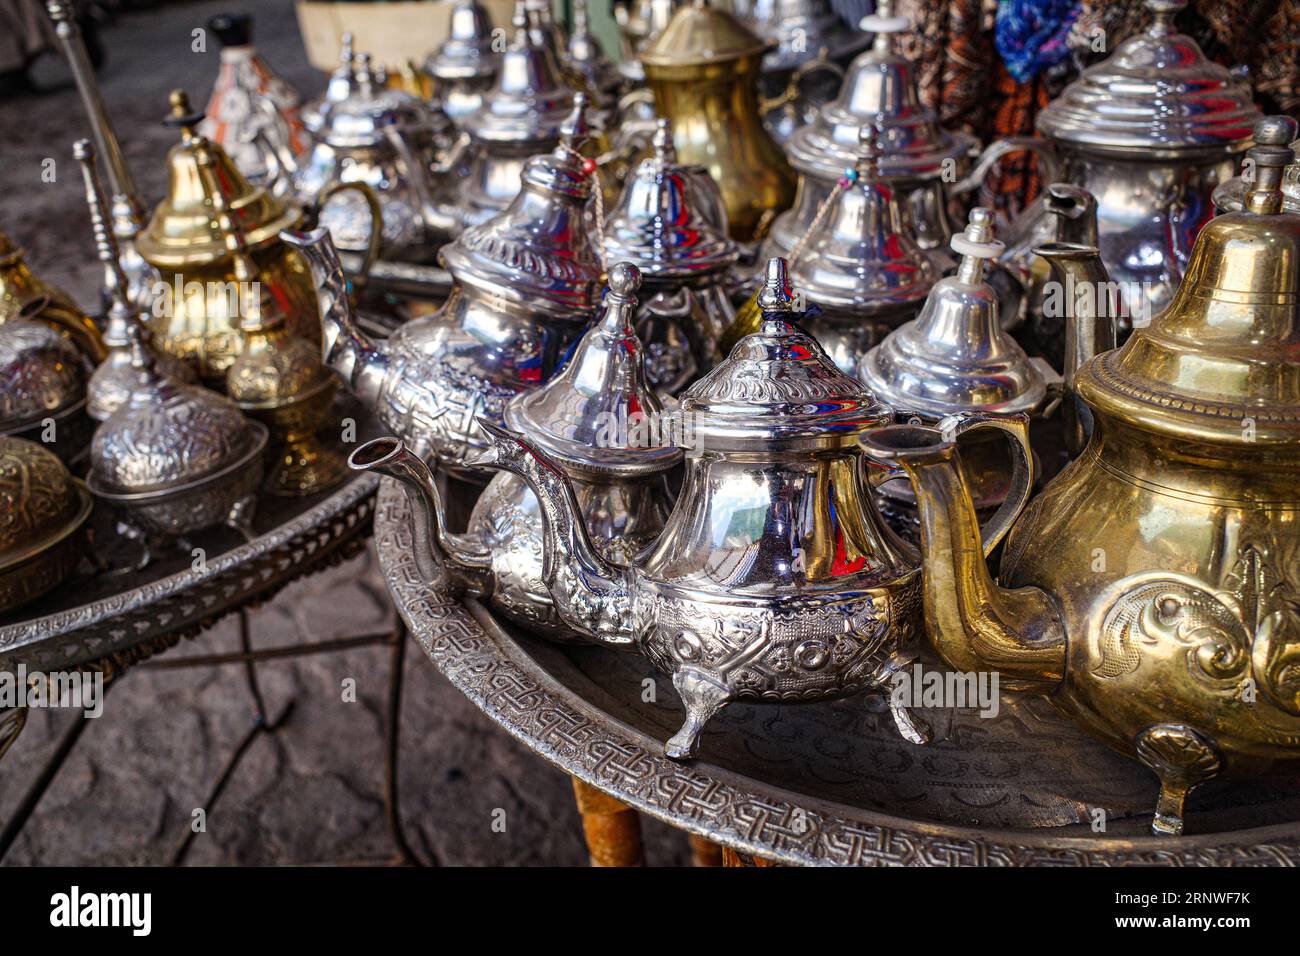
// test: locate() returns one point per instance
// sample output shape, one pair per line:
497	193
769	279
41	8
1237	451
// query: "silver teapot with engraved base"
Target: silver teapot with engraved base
524	283
596	420
775	580
670	222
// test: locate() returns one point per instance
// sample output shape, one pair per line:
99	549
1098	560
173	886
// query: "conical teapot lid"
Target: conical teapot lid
658	225
364	117
880	87
777	389
1156	92
1222	361
182	231
954	356
861	258
700	33
801	30
467	52
528	102
599	413
536	251
342	84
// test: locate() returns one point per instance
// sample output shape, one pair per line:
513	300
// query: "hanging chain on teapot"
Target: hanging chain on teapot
574	129
869	139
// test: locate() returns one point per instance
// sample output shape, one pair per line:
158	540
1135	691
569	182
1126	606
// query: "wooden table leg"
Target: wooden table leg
704	852
612	828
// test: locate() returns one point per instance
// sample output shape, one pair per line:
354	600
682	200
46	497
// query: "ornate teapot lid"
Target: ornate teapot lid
1156	92
588	57
529	101
41	374
777	389
536	252
467	52
599	413
880	87
166	434
699	33
800	30
658	224
364	117
341	85
954	356
1222	361
181	231
40	501
862	260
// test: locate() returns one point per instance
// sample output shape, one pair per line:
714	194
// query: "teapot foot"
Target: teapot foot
703	696
1182	759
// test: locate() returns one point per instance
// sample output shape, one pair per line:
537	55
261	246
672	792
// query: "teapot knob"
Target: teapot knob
776	296
624	279
1269	157
976	244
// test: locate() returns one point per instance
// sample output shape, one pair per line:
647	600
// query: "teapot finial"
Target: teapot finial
1162	16
624	281
574	130
183	115
519	20
115	281
1270	156
871	145
776	295
347	52
976	244
662	142
885	26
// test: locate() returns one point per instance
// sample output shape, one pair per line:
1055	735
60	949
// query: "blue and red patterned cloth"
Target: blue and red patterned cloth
1031	34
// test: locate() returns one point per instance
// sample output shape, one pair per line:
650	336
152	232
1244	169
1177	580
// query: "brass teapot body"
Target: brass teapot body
1169	626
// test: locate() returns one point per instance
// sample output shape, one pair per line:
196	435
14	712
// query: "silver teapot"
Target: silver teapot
464	65
774	580
524	283
671	223
1150	132
596	421
398	146
1231	196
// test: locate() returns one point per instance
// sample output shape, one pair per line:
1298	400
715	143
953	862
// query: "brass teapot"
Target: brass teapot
1152	590
23	295
595	419
703	69
195	307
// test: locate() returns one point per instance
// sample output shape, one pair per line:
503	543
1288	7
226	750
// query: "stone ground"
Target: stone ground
311	793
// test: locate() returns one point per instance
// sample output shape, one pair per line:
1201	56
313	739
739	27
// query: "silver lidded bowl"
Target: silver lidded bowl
671	224
43	388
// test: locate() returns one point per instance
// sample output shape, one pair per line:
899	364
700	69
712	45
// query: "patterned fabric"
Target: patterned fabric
1033	34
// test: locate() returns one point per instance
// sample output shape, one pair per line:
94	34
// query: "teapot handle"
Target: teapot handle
328	192
1022	470
821	63
993	153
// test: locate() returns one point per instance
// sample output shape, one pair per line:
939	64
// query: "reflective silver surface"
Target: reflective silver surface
464	64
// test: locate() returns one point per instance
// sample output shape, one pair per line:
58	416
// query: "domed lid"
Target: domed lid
167	435
658	225
528	102
467	52
599	413
859	258
587	56
801	30
182	231
341	85
1222	361
40	504
880	87
41	374
777	389
364	117
699	33
1156	94
954	356
536	252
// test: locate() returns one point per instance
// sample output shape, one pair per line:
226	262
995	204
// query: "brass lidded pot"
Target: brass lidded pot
704	69
25	296
196	318
665	225
524	283
1150	590
43	534
954	359
858	265
464	65
1151	131
596	419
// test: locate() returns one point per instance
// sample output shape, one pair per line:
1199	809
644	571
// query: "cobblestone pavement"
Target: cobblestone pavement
312	792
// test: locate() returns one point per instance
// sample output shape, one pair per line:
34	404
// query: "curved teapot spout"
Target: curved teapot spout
590	594
358	359
1089	301
435	547
973	624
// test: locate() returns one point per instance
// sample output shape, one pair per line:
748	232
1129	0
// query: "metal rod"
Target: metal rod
392	750
268	653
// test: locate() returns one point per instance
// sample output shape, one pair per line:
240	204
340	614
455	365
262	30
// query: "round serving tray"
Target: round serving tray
827	783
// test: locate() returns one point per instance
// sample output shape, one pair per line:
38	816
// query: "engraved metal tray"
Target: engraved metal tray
826	783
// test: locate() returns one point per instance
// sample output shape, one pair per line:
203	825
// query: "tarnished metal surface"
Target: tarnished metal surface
830	783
